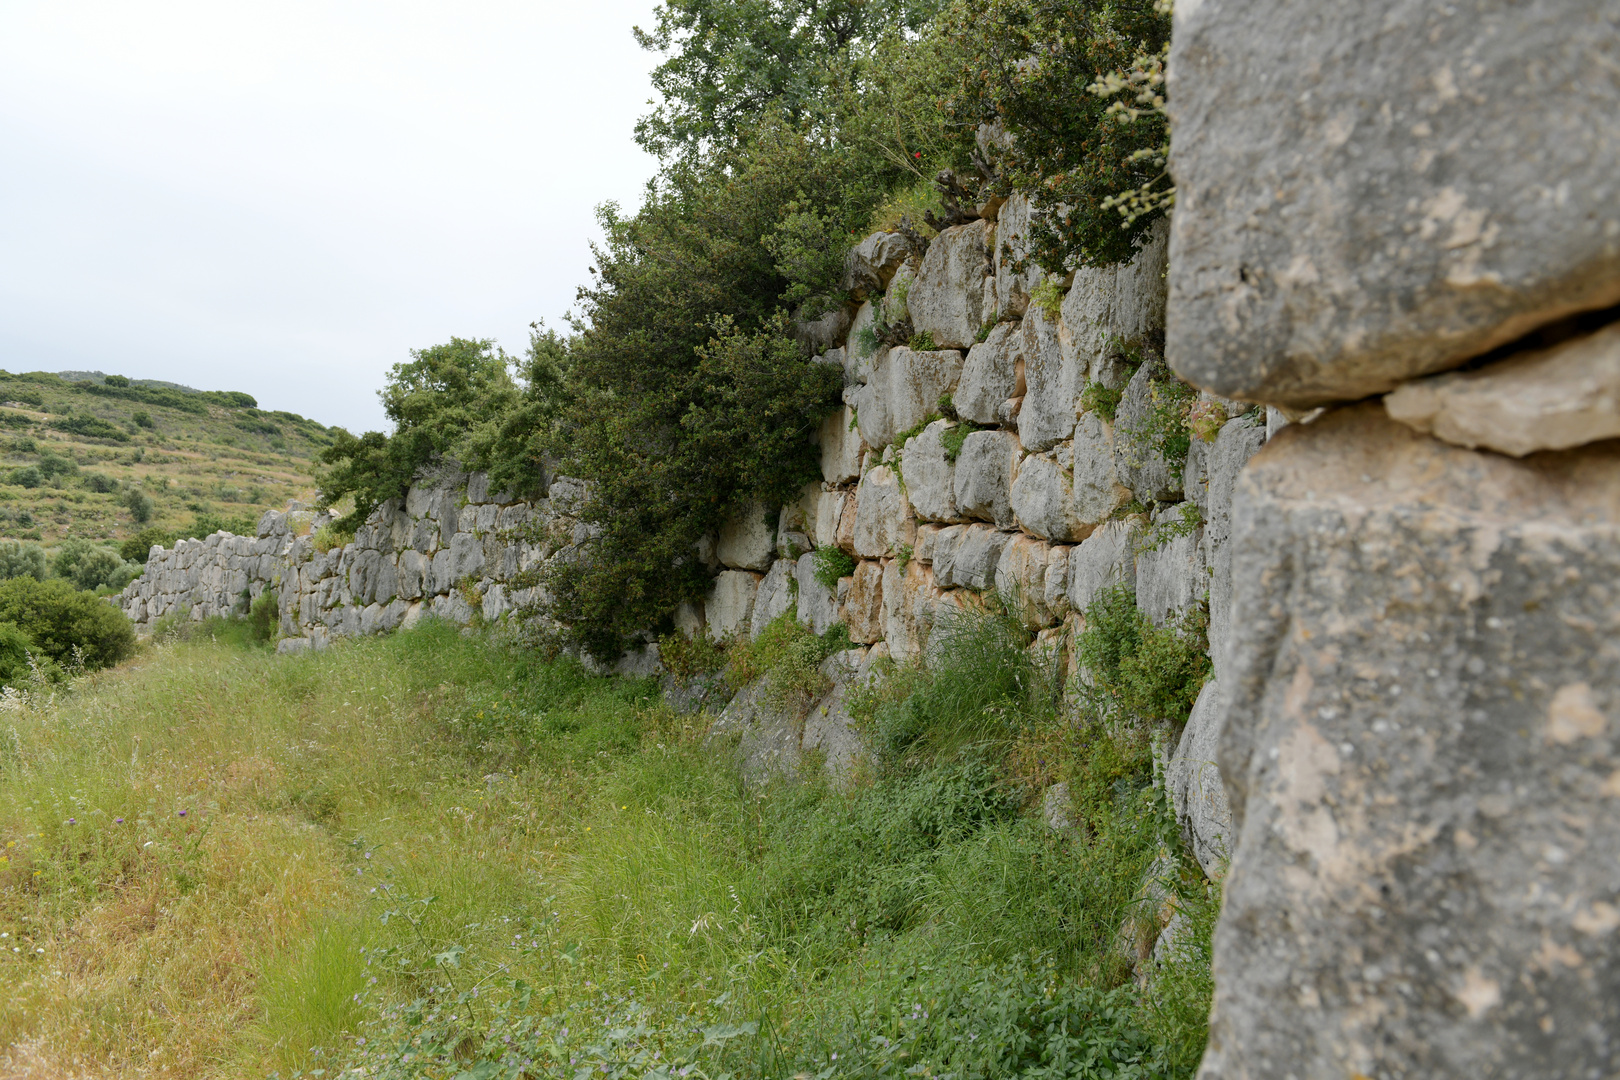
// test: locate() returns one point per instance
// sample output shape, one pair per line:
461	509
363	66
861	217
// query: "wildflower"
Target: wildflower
73	821
182	813
118	821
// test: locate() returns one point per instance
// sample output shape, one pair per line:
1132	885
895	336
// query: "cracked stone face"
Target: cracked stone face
1422	752
1374	191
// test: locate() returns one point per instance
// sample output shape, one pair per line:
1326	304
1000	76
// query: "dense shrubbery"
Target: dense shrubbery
787	130
67	625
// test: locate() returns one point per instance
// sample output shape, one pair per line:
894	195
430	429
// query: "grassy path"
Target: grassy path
406	856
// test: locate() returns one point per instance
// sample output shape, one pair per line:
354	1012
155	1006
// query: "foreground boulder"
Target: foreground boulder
1423	761
1373	191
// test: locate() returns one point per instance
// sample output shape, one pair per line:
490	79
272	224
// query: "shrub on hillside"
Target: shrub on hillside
61	619
19	657
91	566
139	546
19	559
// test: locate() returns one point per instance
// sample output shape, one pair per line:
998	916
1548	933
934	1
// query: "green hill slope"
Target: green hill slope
93	455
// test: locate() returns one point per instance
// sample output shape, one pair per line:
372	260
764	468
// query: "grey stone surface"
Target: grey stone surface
947	299
1375	191
985	467
1106	557
863	608
991	374
829	512
1238	441
828	727
930	477
1543	399
1194	780
767	728
1170	572
1013	288
1138	456
841	446
1420	749
1021	577
1053	384
1111	311
774	596
871	264
883	518
818	605
729	606
1043	498
1098	490
909	599
748	541
904	390
970	561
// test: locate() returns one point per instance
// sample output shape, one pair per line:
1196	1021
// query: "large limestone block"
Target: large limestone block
1014	288
1112	311
1060	496
1055	589
1138	435
871	264
774	597
909	600
1170	572
818	605
985	467
730	603
1194	781
829	512
904	390
766	729
883	518
841	446
992	373
969	562
1105	559
929	475
858	355
1238	441
796	522
948	298
1021	578
863	610
1369	192
1422	753
748	541
1053	385
1546	399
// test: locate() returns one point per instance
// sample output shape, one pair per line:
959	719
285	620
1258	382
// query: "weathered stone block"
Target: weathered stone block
971	561
748	541
992	373
904	390
841	446
909	599
863	611
1545	399
818	605
1114	310
947	299
1021	578
1238	441
1053	385
1194	781
1170	572
1375	191
985	468
1013	288
883	518
871	264
1138	429
1423	760
930	477
730	603
774	596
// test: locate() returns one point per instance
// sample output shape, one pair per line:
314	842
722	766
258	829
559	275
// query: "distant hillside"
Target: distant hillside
87	454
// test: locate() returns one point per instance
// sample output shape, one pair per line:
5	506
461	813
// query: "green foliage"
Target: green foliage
685	657
1151	672
139	546
67	624
790	653
1048	296
28	476
209	524
91	566
954	437
142	419
1164	426
19	657
1187	522
331	536
434	401
90	427
902	557
141	505
922	342
264	615
1067	151
830	564
19	559
1101	400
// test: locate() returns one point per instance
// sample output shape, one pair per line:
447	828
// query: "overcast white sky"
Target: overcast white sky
284	198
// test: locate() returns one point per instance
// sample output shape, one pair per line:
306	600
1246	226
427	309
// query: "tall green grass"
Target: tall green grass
420	853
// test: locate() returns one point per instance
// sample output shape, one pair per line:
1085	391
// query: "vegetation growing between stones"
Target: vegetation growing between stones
1138	668
373	831
832	563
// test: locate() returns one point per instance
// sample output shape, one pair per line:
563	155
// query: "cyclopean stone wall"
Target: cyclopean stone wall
1410	752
